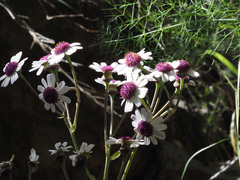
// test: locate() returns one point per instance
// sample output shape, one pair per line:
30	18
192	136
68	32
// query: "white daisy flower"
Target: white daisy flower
132	61
125	140
61	49
33	156
40	65
107	70
183	68
165	71
146	128
11	69
53	96
82	155
103	67
60	148
132	90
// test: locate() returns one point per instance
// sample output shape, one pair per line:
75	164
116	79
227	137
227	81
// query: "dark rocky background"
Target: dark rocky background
25	124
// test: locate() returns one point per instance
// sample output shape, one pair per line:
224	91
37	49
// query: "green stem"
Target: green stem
159	97
105	117
129	164
119	124
122	167
29	172
144	104
107	163
74	141
28	84
73	71
64	170
112	115
157	86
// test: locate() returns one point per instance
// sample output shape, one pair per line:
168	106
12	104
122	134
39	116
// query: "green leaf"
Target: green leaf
201	150
223	60
115	155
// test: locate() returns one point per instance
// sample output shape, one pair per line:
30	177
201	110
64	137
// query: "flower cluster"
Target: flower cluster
148	126
147	118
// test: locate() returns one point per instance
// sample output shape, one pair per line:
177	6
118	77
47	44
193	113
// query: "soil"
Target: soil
25	124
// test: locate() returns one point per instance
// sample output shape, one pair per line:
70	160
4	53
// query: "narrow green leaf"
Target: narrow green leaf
223	60
115	155
201	150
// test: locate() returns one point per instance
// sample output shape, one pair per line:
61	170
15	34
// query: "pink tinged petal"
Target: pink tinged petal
142	92
14	78
153	140
128	106
51	80
5	82
65	99
44	83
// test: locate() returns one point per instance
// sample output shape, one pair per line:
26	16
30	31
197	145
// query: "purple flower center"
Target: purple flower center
132	59
145	128
164	67
128	90
126	138
61	47
186	78
44	57
107	68
183	67
50	95
11	68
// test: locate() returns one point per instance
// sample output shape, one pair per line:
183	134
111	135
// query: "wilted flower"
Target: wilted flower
146	128
42	64
126	143
11	69
60	149
33	159
53	95
6	167
80	157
